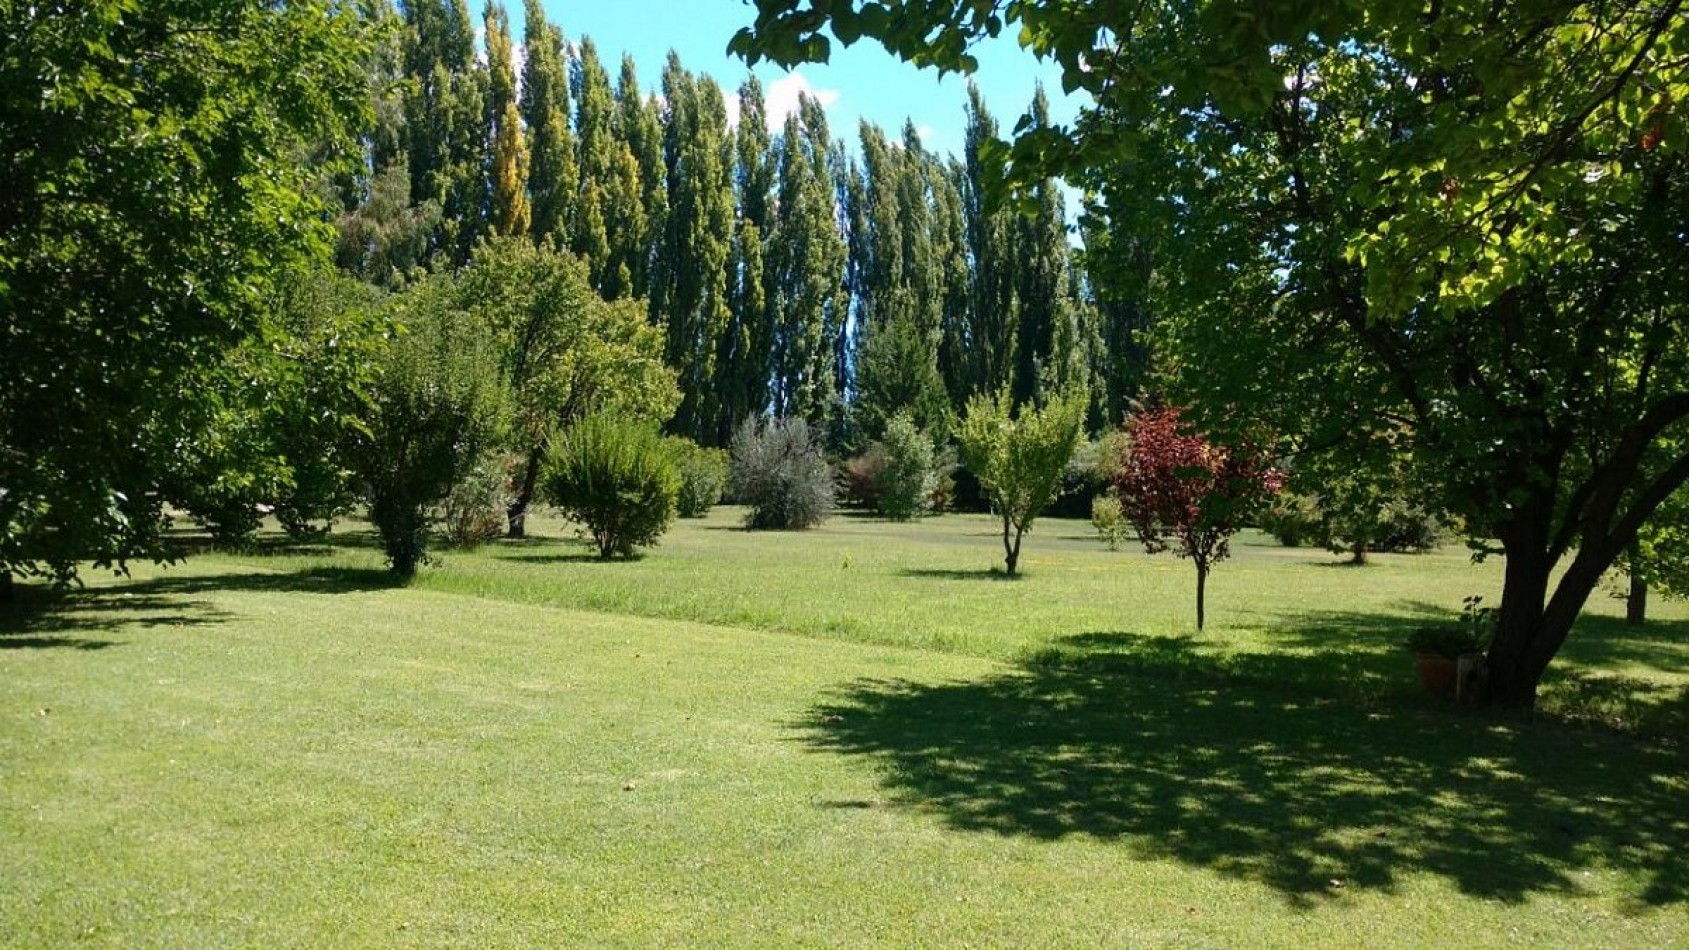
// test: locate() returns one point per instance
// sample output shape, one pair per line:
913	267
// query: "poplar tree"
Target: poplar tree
445	120
744	362
693	300
808	263
594	108
639	126
553	171
991	330
1047	347
509	172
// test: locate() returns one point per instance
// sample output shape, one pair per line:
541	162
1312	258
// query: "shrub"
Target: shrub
1294	520
862	478
906	479
703	477
437	405
618	479
474	512
777	469
1109	518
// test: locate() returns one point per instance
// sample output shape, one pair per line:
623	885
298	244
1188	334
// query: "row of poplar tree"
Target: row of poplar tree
790	274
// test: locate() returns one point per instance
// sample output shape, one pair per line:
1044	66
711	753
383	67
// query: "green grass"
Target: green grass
849	737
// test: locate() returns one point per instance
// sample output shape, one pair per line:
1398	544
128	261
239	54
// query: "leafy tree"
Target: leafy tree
544	103
778	471
807	258
703	476
438	405
1177	486
690	293
1019	457
510	214
445	121
907	479
1659	559
617	478
150	195
565	352
1463	219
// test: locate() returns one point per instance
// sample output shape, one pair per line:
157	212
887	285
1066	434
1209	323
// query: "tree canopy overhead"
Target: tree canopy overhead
151	193
1463	222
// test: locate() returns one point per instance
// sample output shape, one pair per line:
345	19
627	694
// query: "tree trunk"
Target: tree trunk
1201	593
1533	625
1636	604
1011	551
517	512
6	591
1357	554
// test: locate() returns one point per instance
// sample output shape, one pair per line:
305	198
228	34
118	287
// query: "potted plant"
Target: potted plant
1438	649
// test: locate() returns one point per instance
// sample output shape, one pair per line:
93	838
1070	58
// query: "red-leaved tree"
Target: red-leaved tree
1181	491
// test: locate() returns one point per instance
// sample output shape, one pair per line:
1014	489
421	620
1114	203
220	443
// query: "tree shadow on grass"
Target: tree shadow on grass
316	580
1234	766
982	574
46	619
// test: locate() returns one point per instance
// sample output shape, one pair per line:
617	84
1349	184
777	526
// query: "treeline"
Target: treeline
789	274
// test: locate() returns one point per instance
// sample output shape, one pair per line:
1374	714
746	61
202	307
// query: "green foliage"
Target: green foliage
1019	457
1109	518
152	192
1471	635
438	404
617	478
907	479
474	512
1294	520
703	477
1460	221
778	471
565	352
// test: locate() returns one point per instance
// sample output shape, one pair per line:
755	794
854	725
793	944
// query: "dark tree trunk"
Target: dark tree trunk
1533	625
1358	554
1011	550
1201	593
6	591
1636	603
517	513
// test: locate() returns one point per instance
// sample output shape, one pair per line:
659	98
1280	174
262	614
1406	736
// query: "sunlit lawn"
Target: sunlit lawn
849	737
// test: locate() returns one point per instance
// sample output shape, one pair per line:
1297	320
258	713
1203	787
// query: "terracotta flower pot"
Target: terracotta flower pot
1439	673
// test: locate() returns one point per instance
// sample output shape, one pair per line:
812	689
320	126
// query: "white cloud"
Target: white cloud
781	97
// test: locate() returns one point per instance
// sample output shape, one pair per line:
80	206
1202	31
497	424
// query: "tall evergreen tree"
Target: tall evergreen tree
444	118
594	115
639	126
989	347
553	171
744	363
693	300
808	264
1047	344
509	213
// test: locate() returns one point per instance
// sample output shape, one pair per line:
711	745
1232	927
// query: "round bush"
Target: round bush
703	477
617	479
778	471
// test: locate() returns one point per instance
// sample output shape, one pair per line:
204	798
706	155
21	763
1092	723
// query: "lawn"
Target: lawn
856	736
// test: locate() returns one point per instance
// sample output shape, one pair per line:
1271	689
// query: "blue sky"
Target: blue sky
861	82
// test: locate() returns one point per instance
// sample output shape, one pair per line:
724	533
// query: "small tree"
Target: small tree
703	476
438	404
778	470
1019	459
617	478
1177	487
906	480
